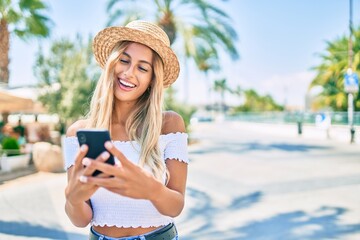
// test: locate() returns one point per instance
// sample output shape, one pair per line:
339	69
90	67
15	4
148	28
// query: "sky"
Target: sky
279	41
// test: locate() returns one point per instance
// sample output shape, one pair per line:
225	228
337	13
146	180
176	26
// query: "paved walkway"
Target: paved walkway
246	181
263	181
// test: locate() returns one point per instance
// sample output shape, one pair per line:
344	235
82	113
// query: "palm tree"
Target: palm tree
330	73
237	91
257	103
24	19
207	60
221	87
196	26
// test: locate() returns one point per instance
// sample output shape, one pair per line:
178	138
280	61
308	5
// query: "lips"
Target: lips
126	85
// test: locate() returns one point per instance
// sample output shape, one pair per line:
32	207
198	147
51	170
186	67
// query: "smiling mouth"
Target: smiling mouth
126	84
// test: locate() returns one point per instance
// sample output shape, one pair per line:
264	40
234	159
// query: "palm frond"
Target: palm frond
32	5
13	16
4	6
35	25
110	5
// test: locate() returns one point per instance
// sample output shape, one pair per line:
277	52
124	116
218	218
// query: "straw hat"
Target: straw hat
142	32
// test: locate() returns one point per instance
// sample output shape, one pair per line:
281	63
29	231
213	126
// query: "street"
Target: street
246	181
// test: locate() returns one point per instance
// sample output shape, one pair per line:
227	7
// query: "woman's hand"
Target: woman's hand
128	179
77	190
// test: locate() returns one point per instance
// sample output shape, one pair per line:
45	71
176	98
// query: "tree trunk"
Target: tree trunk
4	51
223	101
168	25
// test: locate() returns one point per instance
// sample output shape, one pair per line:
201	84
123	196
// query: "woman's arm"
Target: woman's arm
78	210
169	200
77	194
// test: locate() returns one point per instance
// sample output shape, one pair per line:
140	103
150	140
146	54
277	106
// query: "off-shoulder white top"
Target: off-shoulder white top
112	209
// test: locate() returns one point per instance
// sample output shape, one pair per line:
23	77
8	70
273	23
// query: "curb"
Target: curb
7	176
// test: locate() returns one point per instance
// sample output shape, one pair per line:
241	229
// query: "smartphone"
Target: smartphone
95	139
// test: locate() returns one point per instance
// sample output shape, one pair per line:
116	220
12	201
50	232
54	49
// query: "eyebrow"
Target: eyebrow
143	61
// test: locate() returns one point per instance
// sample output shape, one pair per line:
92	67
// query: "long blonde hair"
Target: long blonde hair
145	121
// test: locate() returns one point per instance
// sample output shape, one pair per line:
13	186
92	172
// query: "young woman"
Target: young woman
138	197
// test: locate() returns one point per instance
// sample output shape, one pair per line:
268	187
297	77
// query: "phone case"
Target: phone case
95	139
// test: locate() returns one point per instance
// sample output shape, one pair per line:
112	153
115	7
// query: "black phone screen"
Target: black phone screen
95	139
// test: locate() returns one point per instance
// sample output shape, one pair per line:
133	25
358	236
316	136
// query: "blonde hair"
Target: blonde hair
145	121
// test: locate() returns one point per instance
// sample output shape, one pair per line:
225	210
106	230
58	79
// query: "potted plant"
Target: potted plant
11	156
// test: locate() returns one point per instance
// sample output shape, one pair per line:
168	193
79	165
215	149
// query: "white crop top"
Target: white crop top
112	209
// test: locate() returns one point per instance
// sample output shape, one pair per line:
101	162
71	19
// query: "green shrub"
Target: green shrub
185	110
10	146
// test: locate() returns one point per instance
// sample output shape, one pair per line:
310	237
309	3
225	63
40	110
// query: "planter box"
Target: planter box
8	164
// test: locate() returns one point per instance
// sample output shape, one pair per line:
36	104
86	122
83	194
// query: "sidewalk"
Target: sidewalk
8	176
32	207
246	182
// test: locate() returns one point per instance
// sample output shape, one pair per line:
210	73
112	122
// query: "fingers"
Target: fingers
117	153
81	154
97	164
104	182
107	169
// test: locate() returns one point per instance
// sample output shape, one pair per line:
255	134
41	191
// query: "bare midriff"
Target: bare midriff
117	232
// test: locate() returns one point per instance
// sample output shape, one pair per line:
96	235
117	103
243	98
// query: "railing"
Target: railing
338	118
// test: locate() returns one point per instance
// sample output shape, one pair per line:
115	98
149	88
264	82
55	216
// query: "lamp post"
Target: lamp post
350	51
351	79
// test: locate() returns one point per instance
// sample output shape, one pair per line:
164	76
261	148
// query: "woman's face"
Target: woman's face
133	72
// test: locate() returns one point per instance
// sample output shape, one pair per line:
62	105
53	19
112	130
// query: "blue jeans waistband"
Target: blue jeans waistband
167	232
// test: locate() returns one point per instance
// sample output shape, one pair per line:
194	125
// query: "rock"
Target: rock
48	157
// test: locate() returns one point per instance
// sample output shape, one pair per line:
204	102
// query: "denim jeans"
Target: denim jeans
141	237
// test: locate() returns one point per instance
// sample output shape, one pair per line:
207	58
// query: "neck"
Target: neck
120	116
121	112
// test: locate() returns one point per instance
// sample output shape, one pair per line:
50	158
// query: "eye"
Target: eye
124	61
143	69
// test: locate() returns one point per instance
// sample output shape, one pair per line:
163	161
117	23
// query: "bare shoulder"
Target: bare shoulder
173	122
71	131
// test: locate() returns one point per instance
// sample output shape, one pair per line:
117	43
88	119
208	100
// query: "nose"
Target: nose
128	72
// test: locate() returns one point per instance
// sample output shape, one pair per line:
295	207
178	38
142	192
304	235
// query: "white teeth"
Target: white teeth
127	84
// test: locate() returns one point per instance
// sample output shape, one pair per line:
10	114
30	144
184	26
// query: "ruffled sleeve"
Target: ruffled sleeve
71	147
175	146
